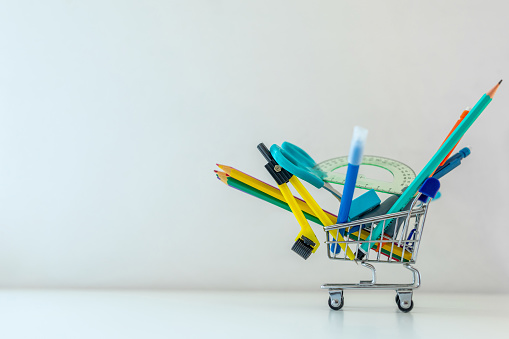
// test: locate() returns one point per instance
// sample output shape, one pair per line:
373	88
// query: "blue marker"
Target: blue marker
354	160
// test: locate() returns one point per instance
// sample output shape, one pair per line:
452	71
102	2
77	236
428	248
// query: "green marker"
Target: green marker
430	167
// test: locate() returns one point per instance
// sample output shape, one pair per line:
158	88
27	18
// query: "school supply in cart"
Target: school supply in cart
306	242
295	160
262	187
415	216
451	163
360	205
357	204
432	165
239	185
364	203
354	160
389	231
402	175
462	116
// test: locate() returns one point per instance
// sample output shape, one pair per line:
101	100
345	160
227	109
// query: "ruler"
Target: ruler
401	173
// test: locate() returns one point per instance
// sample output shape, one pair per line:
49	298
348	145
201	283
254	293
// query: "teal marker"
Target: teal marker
430	167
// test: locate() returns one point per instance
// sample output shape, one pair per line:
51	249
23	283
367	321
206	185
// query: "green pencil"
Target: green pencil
232	182
239	185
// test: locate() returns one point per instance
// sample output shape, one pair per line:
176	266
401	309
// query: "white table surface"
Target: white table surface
187	314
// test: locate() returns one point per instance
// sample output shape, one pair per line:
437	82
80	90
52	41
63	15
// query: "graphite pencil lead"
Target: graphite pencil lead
491	92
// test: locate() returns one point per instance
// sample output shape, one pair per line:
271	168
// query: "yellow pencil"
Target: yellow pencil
396	250
309	206
364	234
302	204
268	189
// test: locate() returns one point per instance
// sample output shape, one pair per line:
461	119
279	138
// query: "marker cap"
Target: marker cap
359	137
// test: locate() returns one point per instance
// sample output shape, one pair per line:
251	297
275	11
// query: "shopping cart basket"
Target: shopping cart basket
400	246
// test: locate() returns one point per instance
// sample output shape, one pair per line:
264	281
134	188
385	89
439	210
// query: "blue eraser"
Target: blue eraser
360	205
363	204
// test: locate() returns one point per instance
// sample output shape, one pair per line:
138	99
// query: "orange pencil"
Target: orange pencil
463	115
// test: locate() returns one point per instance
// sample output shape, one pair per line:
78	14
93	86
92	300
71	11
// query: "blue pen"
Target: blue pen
354	160
451	163
430	167
463	153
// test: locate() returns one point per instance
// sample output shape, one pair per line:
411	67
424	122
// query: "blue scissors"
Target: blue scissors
296	161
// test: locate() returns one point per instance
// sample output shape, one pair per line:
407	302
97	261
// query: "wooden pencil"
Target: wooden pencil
243	187
463	115
266	188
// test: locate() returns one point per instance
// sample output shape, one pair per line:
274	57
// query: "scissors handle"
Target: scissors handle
298	154
292	165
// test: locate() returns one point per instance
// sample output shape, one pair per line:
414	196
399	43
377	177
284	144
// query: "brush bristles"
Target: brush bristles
301	248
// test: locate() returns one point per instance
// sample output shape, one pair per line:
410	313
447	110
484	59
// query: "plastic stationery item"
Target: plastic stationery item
306	242
403	249
363	204
429	189
451	163
437	158
360	205
295	160
302	246
354	161
402	174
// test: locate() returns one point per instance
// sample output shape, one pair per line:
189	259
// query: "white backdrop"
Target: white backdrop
113	115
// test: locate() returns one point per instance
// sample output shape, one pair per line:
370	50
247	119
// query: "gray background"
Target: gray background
113	115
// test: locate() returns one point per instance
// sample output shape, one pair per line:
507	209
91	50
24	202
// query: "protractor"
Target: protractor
402	174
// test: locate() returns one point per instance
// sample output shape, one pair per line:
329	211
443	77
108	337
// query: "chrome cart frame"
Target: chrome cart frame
399	245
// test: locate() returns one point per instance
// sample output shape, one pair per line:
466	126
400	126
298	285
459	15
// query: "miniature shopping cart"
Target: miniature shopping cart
398	245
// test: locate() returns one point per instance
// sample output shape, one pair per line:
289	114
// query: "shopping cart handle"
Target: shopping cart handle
429	189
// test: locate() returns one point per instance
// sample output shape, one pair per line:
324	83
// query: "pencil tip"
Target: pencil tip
491	92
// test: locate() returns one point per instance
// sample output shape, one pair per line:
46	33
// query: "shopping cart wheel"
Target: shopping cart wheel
335	304
404	308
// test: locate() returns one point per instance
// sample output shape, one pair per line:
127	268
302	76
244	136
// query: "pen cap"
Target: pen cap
357	145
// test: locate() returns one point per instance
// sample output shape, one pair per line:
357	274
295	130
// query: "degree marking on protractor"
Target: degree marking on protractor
402	174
